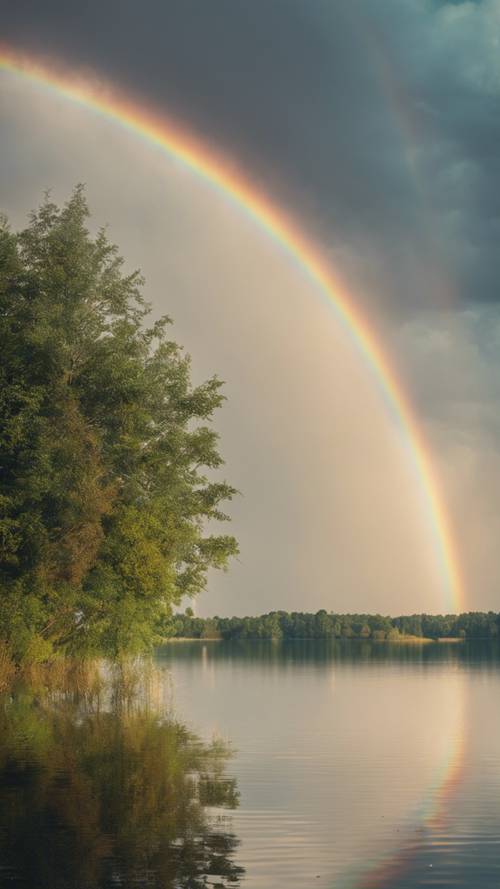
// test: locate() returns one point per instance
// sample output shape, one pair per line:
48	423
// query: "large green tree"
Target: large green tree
107	455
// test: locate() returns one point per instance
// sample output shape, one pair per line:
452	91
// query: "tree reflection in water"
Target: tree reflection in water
100	789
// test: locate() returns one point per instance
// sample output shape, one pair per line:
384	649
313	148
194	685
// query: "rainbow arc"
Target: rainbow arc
158	130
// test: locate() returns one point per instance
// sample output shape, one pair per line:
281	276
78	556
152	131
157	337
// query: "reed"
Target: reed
7	667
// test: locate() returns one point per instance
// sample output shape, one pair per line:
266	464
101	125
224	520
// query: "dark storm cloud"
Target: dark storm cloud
377	119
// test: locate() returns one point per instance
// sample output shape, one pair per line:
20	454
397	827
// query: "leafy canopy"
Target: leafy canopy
107	455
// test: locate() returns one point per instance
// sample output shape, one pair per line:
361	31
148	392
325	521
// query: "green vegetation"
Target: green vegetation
326	625
101	789
106	452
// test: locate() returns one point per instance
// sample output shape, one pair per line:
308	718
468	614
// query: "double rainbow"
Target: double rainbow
158	130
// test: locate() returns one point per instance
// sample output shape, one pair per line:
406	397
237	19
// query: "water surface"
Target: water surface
260	764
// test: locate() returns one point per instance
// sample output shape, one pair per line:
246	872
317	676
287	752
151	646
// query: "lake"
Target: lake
269	765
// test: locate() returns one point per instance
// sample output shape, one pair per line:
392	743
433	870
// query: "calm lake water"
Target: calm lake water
266	765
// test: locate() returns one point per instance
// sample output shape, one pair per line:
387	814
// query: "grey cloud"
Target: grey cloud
376	120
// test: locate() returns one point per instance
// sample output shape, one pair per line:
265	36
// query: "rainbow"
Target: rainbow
433	814
201	160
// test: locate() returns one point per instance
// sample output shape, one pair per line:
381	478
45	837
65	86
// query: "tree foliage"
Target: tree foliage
107	455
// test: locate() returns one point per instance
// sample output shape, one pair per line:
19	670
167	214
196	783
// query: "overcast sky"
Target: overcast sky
376	123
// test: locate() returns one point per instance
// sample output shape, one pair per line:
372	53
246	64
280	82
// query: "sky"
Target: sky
374	125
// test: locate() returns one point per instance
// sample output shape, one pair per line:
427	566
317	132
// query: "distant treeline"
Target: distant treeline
326	625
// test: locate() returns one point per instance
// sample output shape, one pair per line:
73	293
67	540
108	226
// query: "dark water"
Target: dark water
260	764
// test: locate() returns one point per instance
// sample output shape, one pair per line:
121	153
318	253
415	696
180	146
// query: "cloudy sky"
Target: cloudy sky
375	124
